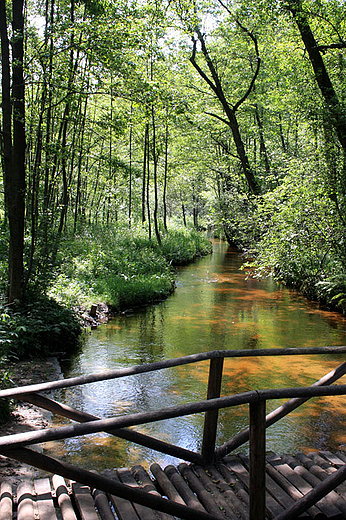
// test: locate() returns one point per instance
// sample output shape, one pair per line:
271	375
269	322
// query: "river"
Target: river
214	307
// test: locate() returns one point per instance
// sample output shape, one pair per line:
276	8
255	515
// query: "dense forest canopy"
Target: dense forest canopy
218	114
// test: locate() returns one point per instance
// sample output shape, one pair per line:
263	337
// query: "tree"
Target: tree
13	142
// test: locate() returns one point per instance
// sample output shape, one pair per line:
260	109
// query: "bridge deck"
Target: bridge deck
221	489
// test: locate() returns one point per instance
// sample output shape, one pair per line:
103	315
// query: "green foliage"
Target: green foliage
39	326
181	246
6	335
301	239
122	267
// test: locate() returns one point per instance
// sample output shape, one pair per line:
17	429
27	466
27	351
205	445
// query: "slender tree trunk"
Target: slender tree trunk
80	160
146	138
155	160
148	187
130	169
216	86
164	197
6	141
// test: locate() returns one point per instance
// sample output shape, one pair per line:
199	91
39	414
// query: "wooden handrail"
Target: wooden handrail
14	445
280	412
169	363
75	430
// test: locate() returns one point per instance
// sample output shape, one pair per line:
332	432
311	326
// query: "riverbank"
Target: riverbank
26	417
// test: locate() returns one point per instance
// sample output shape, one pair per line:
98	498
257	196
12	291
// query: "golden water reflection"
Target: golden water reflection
214	307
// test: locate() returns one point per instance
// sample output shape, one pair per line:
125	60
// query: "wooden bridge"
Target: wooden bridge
215	485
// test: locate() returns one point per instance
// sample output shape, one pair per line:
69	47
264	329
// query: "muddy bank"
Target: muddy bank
27	417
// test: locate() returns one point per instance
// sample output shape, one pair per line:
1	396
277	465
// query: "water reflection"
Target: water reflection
214	307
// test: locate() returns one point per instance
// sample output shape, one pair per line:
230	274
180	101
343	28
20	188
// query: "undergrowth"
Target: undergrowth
122	267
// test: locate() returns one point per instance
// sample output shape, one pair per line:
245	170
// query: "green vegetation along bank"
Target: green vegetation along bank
117	266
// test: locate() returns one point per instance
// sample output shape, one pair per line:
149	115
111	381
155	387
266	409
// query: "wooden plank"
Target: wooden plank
276	491
341	455
319	460
25	501
257	468
273	507
165	485
6	501
315	495
290	489
228	493
332	458
124	508
44	499
204	496
150	367
183	489
84	501
211	417
102	505
330	501
210	486
144	481
322	475
233	481
126	477
304	487
63	498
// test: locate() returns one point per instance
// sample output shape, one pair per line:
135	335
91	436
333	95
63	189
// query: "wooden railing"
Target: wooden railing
16	446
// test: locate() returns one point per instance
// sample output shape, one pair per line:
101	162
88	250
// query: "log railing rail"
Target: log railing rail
15	446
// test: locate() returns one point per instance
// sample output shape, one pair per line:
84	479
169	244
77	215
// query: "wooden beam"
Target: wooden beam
242	437
211	417
169	363
257	460
107	485
311	498
123	433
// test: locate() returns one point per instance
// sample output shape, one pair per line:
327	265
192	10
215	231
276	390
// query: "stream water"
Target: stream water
214	307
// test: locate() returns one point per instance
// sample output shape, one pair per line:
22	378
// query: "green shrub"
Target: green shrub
181	246
40	327
122	267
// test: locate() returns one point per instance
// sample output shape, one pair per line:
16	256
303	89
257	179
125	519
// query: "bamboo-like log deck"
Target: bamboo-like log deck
221	489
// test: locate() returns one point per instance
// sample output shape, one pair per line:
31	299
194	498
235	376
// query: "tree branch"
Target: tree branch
254	39
218	117
198	68
331	46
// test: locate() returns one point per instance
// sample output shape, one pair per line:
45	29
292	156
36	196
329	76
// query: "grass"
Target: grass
122	267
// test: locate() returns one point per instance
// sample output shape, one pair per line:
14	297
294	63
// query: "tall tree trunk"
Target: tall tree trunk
155	159
146	138
14	152
164	196
216	86
148	187
332	103
80	158
6	135
130	168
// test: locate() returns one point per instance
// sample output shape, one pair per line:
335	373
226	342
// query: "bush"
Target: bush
181	246
122	267
39	327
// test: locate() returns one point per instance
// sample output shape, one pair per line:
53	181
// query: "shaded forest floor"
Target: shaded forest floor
27	417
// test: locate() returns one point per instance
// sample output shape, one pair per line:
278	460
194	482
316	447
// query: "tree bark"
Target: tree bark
155	160
328	92
231	121
14	151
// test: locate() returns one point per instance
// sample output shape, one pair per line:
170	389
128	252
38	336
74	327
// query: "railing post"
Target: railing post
257	460
211	417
